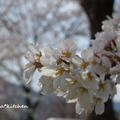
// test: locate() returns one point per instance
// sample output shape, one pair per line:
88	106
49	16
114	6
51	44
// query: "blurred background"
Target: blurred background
46	22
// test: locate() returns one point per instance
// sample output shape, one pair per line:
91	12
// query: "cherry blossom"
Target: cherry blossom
88	79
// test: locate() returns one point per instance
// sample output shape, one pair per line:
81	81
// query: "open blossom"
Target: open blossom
33	57
67	48
88	79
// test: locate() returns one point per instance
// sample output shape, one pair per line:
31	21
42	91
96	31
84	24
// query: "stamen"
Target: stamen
60	71
66	53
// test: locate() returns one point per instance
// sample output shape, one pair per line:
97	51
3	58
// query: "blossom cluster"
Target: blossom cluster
89	79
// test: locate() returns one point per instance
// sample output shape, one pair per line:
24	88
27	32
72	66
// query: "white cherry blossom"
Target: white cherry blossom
88	79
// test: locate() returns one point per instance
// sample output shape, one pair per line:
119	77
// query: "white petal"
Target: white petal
67	44
115	70
85	101
29	73
49	51
99	108
48	72
45	60
87	54
63	84
118	79
28	65
47	84
29	56
106	62
71	95
56	83
90	84
33	49
79	110
104	93
76	60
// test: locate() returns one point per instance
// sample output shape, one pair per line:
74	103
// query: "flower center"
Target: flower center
66	53
84	64
101	85
60	71
83	90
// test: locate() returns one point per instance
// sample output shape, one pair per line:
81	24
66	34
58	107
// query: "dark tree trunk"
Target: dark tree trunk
97	10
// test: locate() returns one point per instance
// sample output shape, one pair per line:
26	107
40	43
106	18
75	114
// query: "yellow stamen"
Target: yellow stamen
60	71
94	62
83	90
101	85
66	53
97	99
59	61
88	76
84	64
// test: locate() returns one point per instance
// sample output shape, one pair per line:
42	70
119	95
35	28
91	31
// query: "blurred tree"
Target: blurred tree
45	22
